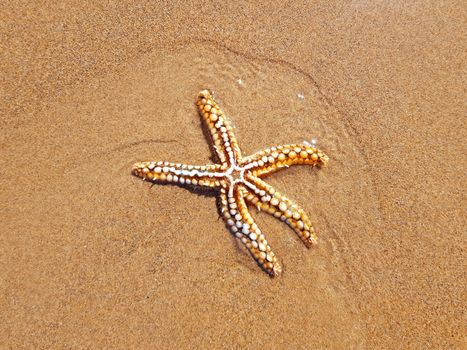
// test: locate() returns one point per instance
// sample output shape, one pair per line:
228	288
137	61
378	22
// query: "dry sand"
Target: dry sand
92	257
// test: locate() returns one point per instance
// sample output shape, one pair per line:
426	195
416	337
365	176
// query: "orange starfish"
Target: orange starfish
239	181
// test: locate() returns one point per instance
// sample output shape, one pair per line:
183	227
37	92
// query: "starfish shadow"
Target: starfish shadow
200	191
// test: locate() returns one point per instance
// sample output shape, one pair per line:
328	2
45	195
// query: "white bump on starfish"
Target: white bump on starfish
238	180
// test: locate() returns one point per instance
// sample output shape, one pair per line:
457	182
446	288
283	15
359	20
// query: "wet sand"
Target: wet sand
93	257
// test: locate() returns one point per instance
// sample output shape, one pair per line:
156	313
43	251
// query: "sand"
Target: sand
92	257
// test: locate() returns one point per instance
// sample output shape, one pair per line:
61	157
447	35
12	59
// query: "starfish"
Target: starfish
239	182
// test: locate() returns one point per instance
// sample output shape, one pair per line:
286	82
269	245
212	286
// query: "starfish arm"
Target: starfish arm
266	198
276	158
242	225
225	143
206	176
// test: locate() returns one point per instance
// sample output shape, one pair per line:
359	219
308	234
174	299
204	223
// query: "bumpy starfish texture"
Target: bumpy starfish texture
239	182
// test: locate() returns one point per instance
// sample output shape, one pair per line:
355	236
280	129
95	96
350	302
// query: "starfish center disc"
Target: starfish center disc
235	174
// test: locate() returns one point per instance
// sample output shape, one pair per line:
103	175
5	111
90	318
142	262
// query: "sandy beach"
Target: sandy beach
93	257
